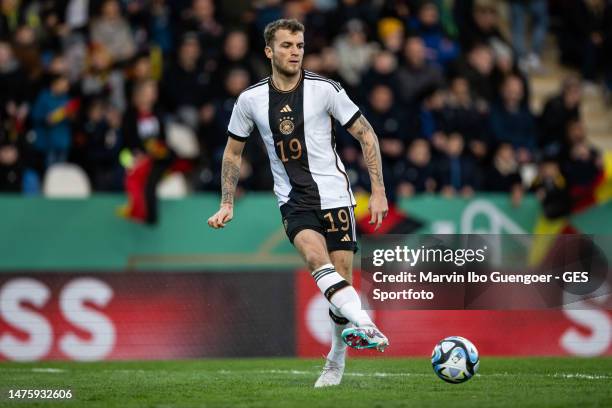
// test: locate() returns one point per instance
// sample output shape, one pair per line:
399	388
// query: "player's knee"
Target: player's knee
316	260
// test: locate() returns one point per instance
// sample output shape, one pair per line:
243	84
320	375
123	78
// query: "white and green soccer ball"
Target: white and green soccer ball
455	359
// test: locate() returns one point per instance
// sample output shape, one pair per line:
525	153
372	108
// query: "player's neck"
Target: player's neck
284	82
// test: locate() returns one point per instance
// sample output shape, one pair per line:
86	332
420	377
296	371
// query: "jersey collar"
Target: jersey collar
297	85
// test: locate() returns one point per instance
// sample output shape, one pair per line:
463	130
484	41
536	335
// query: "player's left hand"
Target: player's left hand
378	207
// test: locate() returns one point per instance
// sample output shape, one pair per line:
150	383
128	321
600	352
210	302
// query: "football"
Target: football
455	359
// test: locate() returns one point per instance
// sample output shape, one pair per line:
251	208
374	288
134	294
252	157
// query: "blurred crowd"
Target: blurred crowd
445	84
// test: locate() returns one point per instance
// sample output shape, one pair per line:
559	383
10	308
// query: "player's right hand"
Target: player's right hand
221	217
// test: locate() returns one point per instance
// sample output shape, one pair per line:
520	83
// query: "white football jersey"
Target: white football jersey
297	128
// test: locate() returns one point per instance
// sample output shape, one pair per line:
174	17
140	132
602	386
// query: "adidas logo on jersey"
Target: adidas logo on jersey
286	109
346	238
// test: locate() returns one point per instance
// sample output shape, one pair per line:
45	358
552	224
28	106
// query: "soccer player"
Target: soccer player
294	111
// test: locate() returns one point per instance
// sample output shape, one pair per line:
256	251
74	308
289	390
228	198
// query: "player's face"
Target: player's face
287	52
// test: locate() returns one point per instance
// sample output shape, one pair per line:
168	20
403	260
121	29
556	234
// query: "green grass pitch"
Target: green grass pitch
269	383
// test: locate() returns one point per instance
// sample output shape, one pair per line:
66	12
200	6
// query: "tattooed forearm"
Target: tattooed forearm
230	174
371	154
361	128
362	131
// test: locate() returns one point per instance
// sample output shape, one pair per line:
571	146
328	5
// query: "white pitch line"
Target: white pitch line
48	370
583	376
566	376
376	374
352	374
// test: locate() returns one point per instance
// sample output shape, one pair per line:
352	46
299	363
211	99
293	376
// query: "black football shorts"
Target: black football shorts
337	225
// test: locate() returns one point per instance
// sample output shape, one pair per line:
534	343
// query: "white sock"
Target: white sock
349	304
337	354
341	295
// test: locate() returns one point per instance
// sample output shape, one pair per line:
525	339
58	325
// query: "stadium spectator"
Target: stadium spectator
399	9
440	48
382	72
185	86
97	143
331	63
391	32
529	48
607	52
200	19
144	134
52	30
296	9
138	70
236	54
235	82
13	83
27	52
556	115
75	51
503	173
505	66
355	53
12	15
112	30
14	110
511	120
313	62
57	65
265	12
477	67
160	26
77	14
575	133
11	162
582	40
137	13
389	121
432	119
551	189
456	173
468	115
51	114
102	79
415	74
415	174
485	27
348	10
583	165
